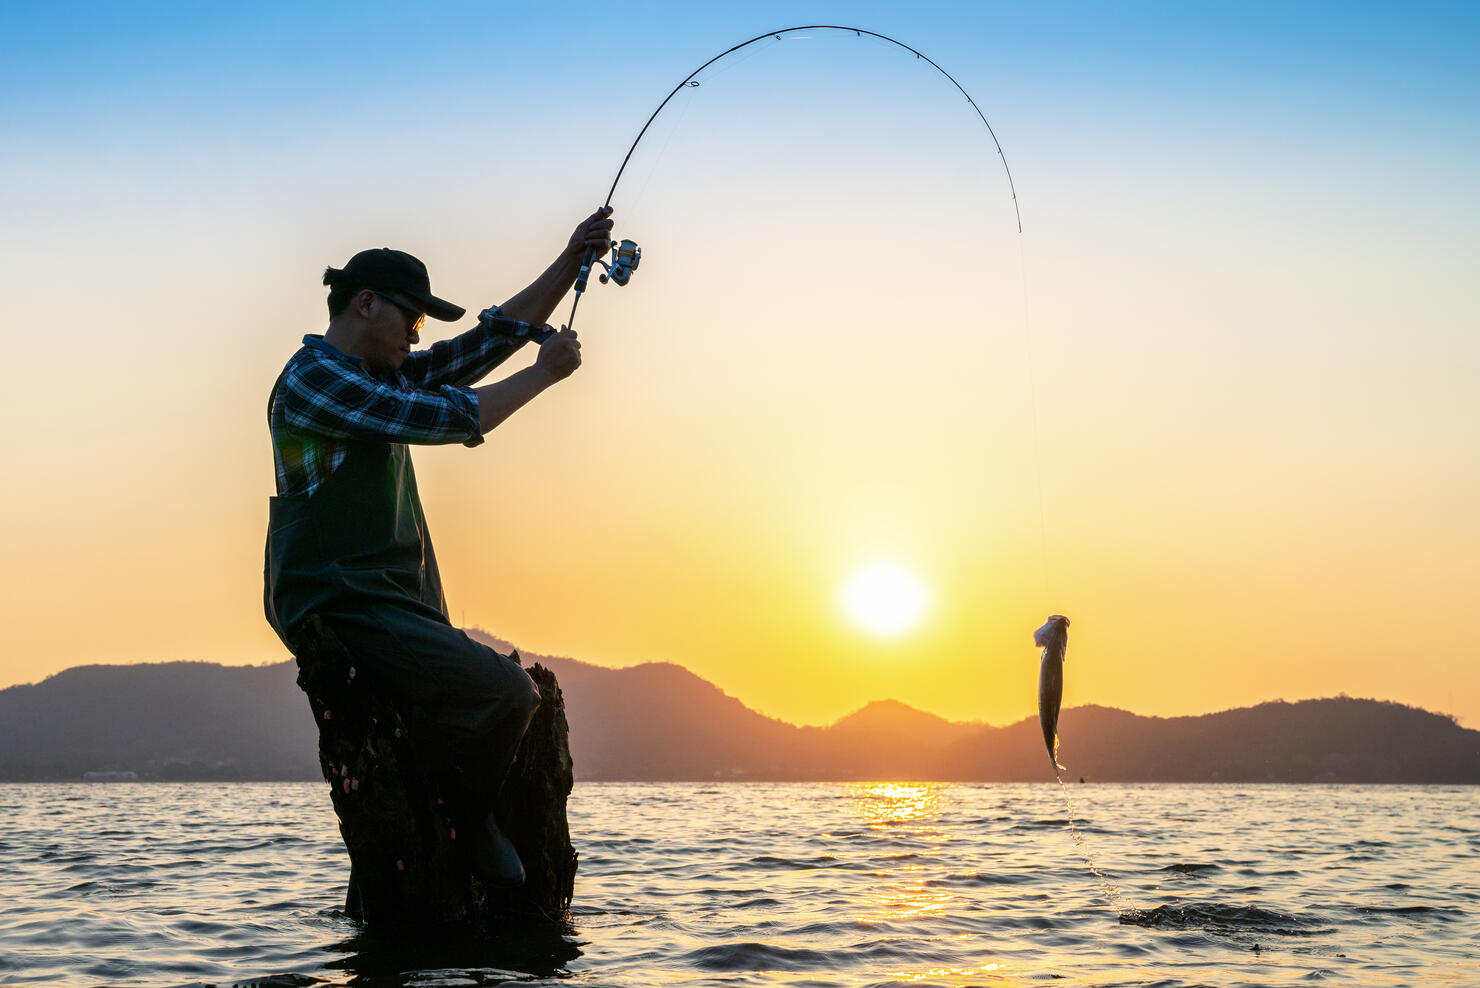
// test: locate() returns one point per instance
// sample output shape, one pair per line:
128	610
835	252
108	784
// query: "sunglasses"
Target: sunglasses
418	318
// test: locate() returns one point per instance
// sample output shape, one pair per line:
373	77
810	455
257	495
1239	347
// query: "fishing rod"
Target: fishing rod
626	255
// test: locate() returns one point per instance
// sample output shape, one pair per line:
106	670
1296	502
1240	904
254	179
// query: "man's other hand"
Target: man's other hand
592	233
560	355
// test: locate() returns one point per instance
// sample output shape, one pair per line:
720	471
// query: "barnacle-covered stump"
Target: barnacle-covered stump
394	800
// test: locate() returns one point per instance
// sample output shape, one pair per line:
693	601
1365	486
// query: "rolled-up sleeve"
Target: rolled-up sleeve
331	398
467	357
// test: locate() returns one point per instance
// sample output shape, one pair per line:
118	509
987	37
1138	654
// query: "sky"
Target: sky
1216	402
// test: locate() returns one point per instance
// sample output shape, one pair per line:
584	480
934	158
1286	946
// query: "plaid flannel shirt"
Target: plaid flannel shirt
326	399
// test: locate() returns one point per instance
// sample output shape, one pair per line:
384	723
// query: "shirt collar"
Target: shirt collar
316	341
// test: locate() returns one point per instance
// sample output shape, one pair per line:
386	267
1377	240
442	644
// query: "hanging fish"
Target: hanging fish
1053	638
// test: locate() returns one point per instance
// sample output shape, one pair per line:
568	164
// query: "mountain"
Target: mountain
658	721
1331	740
894	740
168	720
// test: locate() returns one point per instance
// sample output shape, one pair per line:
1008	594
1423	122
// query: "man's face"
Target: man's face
395	327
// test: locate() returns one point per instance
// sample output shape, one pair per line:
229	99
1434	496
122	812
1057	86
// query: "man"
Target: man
347	540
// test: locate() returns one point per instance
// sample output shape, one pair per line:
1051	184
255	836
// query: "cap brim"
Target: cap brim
437	308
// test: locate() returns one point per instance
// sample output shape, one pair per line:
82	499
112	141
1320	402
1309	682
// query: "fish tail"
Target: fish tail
1053	756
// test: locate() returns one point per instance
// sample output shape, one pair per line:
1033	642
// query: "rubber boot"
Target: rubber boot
492	856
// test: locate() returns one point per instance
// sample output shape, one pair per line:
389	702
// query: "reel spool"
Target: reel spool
625	258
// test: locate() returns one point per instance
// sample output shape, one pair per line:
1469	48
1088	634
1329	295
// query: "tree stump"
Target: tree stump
394	808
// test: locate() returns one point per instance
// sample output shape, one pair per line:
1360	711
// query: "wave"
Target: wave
1059	823
826	861
1191	868
989	879
755	956
1437	912
1216	917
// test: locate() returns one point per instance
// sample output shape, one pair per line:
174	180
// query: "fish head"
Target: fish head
1055	630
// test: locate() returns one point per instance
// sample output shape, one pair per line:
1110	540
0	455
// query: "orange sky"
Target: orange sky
1223	417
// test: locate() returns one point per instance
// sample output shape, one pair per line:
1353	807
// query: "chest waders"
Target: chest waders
355	551
358	540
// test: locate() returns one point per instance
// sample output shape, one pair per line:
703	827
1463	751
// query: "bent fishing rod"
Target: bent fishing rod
626	255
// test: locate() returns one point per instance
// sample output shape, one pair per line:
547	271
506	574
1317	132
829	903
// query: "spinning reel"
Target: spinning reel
625	258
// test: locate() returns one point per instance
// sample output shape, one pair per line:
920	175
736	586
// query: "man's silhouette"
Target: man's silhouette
347	540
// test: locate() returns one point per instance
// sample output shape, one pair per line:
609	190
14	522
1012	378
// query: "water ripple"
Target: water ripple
766	885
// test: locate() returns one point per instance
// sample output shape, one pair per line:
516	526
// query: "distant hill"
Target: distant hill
169	720
658	721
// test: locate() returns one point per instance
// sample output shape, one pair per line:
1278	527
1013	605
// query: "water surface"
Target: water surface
756	884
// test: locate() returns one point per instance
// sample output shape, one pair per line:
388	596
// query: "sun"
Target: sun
884	599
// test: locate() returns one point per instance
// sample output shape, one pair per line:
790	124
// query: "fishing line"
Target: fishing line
1036	439
622	265
1110	890
735	63
626	256
683	111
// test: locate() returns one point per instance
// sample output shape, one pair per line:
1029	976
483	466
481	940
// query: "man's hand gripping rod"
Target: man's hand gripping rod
626	255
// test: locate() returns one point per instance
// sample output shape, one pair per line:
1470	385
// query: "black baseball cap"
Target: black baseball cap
386	270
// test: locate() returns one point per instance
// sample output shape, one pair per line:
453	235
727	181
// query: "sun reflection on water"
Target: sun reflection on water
944	972
910	816
909	813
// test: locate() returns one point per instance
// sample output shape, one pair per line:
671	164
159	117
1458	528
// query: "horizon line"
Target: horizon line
535	656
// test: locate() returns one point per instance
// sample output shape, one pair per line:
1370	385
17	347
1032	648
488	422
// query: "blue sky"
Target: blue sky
294	62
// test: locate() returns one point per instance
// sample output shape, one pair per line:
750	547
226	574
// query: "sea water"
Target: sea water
889	883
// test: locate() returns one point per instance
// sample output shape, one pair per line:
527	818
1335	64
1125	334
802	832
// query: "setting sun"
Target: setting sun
884	599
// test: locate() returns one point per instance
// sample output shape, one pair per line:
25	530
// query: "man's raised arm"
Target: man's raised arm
536	303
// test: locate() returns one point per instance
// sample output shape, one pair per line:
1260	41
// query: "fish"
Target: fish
1053	638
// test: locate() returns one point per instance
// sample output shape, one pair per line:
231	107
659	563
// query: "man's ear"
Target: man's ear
364	301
